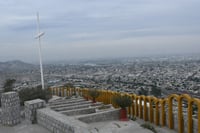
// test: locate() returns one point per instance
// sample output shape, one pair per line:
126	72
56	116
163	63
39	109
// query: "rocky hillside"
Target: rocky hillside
15	66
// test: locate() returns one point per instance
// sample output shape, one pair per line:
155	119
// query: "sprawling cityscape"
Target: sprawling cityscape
158	76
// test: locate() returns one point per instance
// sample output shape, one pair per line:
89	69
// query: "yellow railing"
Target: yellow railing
148	108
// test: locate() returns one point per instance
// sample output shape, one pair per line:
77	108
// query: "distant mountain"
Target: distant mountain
15	66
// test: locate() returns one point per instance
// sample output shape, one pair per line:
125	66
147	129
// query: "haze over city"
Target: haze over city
124	66
87	29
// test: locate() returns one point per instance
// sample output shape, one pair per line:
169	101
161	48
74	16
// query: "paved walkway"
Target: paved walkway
117	127
99	127
158	129
23	128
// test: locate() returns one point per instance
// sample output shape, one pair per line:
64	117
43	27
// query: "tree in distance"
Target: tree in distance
8	85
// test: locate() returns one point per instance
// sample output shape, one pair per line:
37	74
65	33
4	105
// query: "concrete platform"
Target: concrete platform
97	127
117	127
158	128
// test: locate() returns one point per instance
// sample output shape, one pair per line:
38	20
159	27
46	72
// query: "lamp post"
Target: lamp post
38	36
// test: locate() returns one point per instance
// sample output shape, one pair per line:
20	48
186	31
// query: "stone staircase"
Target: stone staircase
74	115
84	110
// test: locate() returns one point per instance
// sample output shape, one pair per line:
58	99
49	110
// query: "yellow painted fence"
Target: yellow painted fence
149	108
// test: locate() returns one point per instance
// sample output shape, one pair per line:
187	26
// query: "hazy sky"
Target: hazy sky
76	29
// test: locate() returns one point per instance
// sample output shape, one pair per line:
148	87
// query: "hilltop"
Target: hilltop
15	66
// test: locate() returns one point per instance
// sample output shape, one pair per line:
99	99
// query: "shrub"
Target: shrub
103	107
9	85
122	101
34	93
133	118
94	93
148	126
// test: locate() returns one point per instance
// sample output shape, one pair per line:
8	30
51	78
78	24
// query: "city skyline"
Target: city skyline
99	29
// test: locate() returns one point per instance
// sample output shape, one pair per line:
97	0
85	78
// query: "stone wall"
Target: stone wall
10	108
30	109
59	123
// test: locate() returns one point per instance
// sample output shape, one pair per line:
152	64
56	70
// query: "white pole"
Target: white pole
40	55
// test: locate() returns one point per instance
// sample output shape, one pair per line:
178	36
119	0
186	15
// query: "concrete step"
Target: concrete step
72	107
70	104
77	107
81	111
67	101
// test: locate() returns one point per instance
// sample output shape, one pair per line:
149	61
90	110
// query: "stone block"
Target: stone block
30	109
10	108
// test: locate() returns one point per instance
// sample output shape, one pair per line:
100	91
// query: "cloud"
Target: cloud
87	27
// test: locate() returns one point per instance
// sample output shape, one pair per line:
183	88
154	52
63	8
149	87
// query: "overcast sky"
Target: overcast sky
79	29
